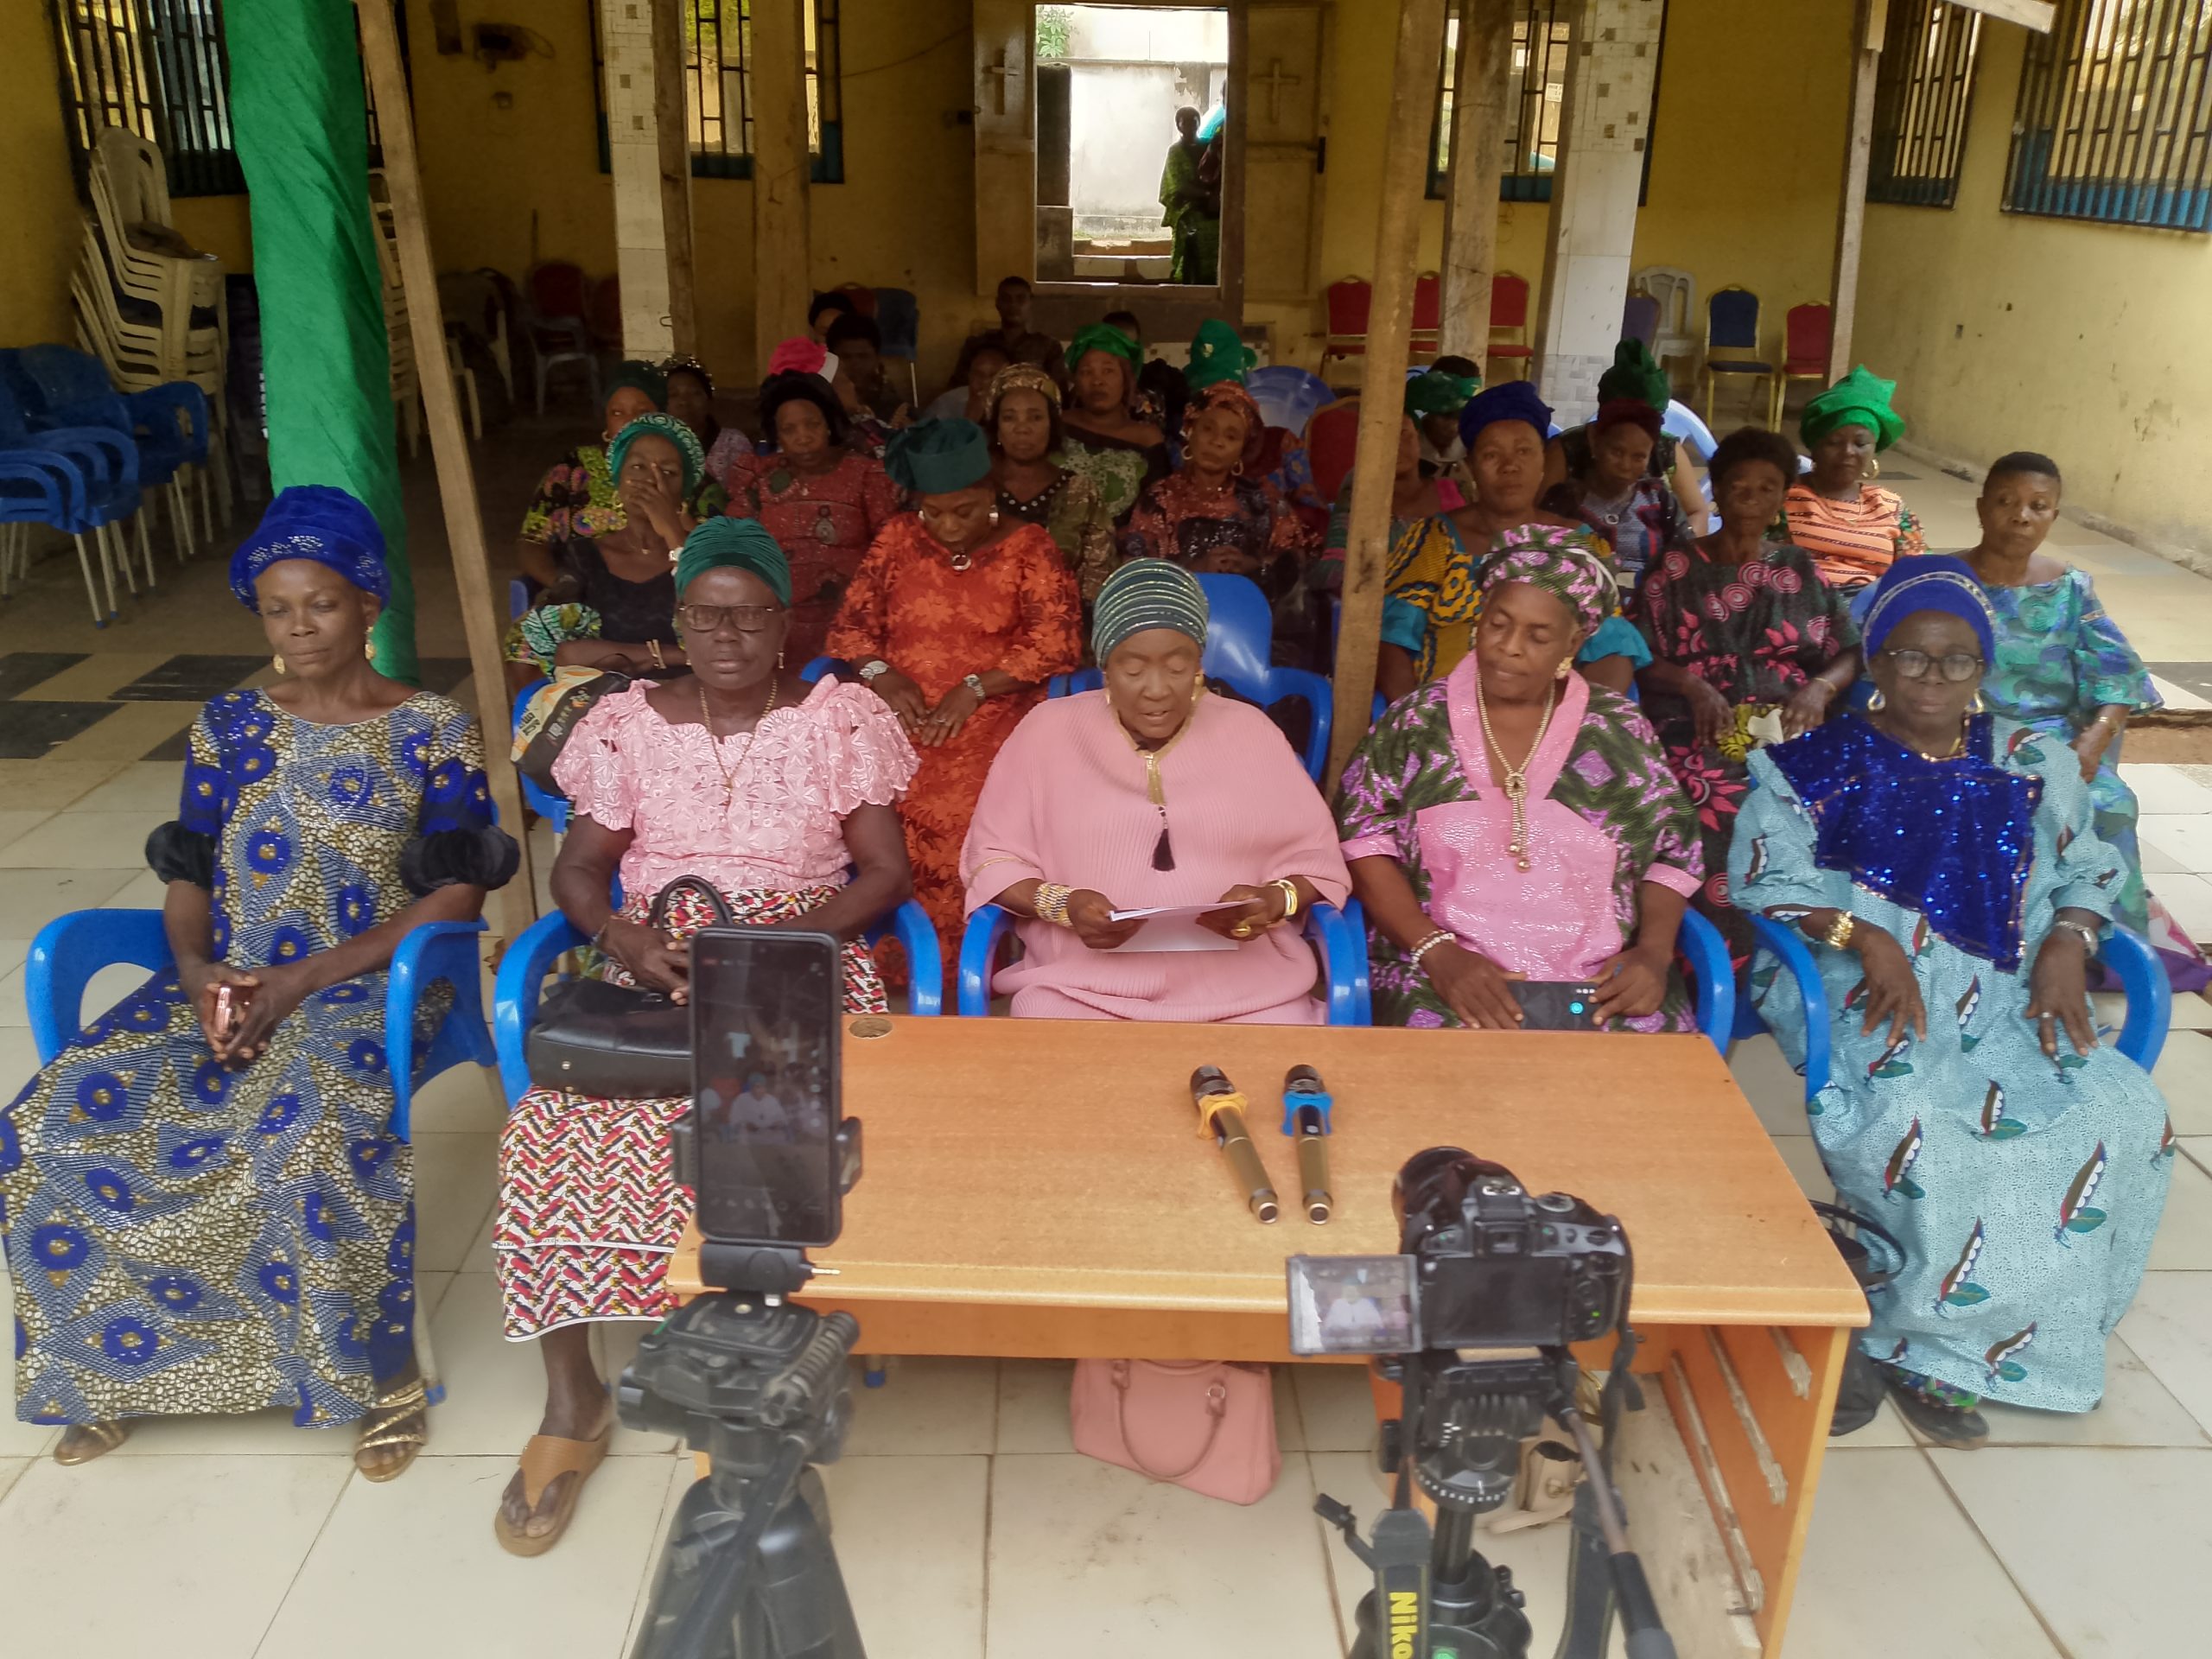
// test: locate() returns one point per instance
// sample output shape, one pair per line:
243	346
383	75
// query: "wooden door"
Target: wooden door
1282	148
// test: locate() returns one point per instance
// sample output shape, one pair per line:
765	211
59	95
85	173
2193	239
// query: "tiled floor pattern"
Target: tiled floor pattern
965	1523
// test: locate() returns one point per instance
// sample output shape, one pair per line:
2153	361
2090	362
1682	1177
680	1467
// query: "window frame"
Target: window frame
1924	103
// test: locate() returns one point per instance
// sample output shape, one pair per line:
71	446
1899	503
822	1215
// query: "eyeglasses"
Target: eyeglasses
746	618
1914	664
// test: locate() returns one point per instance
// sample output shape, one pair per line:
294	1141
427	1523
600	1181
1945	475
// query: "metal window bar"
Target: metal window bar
1924	98
2113	121
717	93
191	102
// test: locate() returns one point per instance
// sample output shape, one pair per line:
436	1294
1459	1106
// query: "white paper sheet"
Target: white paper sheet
1172	927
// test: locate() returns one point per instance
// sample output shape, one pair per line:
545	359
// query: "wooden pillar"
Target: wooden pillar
782	172
1382	377
674	132
1480	122
1851	214
633	162
1006	145
1237	100
515	905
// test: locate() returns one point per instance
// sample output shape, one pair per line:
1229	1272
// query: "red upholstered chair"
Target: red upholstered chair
1331	436
1428	314
1509	325
1806	334
1349	300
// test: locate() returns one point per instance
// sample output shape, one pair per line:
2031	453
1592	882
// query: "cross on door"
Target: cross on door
1276	80
1002	73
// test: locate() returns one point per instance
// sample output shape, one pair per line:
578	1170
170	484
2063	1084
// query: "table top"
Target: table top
1058	1164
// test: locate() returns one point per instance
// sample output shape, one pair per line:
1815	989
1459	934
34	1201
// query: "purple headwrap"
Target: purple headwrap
316	522
1564	562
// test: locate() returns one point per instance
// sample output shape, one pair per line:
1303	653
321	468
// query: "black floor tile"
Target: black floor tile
28	730
2191	677
175	747
22	670
190	679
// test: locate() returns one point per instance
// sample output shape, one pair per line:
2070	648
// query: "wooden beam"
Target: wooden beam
1851	211
1383	378
515	905
674	132
1229	266
782	175
1479	124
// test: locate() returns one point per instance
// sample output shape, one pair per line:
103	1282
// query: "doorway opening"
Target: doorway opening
1130	147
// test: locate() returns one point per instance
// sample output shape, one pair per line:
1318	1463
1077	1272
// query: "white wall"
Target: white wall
1121	121
1155	34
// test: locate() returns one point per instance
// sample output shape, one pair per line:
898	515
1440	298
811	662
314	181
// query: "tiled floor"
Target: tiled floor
965	1523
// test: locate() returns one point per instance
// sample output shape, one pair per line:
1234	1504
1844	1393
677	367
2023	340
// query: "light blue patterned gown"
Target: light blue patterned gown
2025	1192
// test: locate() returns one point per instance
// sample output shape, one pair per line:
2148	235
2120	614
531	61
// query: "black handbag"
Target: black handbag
619	1042
550	718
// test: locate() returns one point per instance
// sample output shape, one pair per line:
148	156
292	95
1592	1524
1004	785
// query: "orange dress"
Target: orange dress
1017	608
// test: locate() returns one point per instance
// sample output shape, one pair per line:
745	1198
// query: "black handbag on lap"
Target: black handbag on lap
619	1042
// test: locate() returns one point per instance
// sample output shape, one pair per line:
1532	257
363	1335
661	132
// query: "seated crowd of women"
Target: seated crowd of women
1514	814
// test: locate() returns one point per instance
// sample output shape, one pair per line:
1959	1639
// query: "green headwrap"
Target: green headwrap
1860	399
1102	337
937	457
1635	375
1146	593
644	377
1434	393
1217	354
661	426
736	545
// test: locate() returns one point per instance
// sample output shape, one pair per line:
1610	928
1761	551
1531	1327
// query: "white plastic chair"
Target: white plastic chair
1676	291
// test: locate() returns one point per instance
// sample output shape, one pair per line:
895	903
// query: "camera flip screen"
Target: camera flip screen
765	1083
1352	1304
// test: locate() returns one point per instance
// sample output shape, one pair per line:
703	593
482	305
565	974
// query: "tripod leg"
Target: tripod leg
801	1589
1589	1622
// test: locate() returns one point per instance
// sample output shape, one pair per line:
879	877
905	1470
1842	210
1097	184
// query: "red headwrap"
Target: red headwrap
1227	394
802	355
1628	411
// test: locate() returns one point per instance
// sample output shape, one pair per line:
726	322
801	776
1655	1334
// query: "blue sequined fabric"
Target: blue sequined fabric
1948	838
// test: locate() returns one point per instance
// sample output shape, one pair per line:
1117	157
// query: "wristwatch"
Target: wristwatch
872	668
974	683
2082	931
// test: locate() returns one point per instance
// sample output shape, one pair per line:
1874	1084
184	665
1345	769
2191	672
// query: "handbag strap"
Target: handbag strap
1840	1216
658	916
1217	1409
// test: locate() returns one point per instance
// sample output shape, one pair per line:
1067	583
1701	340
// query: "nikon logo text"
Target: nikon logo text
1405	1619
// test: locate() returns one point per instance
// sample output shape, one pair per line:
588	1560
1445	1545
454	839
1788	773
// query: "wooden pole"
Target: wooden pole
674	135
515	905
1851	214
1382	378
1229	264
782	274
1479	125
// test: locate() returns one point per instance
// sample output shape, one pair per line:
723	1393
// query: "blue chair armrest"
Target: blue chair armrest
68	951
925	961
1797	958
1320	699
1342	939
56	475
432	952
515	992
157	407
114	452
2150	994
978	945
835	667
1712	977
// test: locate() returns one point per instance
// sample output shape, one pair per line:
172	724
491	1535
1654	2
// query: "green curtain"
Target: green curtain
296	118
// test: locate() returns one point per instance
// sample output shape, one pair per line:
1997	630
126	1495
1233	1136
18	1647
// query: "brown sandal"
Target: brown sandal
402	1420
101	1438
544	1459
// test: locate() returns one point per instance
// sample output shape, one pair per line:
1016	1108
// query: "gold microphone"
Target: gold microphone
1221	1112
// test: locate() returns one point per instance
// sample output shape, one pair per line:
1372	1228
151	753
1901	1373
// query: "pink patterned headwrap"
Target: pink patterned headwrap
1563	562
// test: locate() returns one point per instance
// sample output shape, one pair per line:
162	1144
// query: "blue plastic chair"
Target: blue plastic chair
65	388
1338	937
97	470
71	949
1288	396
521	979
2142	979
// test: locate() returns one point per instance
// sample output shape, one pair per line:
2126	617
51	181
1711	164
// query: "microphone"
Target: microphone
1221	1112
1306	1109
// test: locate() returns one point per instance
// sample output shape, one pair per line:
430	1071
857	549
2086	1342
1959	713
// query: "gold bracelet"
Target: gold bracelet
653	646
1841	929
1050	903
1288	889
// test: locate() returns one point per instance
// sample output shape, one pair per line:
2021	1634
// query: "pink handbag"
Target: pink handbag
1205	1424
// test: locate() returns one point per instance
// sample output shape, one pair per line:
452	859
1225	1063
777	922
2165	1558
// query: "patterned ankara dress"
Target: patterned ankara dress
1016	608
1753	632
824	522
588	1205
1119	468
1852	542
1077	520
1605	816
2025	1191
188	1239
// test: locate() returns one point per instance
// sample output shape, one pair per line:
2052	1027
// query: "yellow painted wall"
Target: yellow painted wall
2083	341
38	201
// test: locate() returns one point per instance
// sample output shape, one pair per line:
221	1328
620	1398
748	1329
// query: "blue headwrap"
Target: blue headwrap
1509	400
313	521
1933	582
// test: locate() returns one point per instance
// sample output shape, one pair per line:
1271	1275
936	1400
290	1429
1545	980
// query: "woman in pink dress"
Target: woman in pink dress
1150	793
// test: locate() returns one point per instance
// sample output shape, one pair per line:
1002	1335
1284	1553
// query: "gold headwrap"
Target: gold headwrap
1021	376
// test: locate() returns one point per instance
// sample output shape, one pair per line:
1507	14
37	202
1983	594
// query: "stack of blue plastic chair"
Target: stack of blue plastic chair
73	480
1288	396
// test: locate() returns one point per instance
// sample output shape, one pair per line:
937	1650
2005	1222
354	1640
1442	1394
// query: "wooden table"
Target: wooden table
1038	1188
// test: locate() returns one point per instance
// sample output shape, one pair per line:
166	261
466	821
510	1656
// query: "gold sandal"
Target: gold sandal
101	1438
401	1420
544	1459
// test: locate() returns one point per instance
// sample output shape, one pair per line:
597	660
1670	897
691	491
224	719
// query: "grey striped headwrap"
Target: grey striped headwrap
1146	593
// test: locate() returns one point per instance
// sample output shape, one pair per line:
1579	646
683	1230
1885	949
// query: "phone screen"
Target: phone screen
766	1099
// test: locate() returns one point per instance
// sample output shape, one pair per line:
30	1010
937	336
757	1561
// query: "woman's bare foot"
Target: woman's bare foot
82	1442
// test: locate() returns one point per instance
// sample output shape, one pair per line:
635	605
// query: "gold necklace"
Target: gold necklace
713	743
1517	778
1958	744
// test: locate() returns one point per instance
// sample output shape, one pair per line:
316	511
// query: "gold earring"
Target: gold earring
1873	468
369	649
1198	689
779	659
1561	671
1876	703
1977	705
280	662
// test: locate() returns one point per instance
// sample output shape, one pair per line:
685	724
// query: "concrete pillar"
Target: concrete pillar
641	242
782	174
1603	128
1479	119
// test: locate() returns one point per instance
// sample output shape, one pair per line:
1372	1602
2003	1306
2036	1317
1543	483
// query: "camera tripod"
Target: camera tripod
748	1572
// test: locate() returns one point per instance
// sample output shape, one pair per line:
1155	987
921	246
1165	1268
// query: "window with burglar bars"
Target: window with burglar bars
1923	94
718	41
2114	117
157	67
1535	94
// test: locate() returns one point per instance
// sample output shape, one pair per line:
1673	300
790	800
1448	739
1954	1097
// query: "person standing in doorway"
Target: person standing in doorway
1182	199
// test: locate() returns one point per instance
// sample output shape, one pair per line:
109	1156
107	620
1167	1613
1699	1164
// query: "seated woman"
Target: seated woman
204	1207
1953	882
2063	666
1435	398
1853	529
783	798
1022	417
609	606
1740	628
1635	375
1102	439
1434	564
822	502
1150	792
971	400
957	617
1616	495
691	400
1218	354
1512	820
1416	495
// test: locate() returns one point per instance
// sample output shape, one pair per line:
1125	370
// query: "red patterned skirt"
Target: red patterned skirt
590	1210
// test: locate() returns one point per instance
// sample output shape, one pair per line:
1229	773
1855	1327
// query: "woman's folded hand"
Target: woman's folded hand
277	992
1893	988
1634	984
1089	914
1472	986
653	959
1711	711
198	983
1808	707
2059	989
